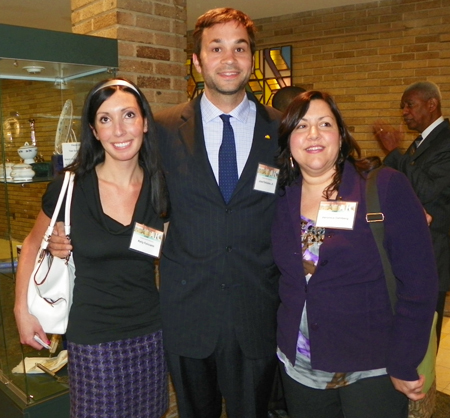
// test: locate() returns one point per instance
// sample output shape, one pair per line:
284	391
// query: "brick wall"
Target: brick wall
365	55
152	42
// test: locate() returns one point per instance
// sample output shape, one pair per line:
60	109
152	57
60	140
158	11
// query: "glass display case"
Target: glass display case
44	78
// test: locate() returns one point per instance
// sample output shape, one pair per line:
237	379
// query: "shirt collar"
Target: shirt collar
437	122
210	112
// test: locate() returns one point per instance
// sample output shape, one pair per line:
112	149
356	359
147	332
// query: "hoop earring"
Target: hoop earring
292	162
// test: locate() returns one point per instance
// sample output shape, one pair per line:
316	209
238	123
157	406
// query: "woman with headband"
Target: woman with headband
116	360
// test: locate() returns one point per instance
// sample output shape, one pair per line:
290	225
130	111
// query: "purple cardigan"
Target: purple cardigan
351	325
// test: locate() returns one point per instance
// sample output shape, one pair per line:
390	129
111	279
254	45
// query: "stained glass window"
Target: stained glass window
272	71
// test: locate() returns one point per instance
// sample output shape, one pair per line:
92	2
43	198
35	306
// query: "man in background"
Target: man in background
283	97
426	163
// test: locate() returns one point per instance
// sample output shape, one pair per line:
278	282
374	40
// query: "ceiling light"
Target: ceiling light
33	69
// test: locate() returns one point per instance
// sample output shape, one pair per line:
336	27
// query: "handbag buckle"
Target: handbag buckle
375	217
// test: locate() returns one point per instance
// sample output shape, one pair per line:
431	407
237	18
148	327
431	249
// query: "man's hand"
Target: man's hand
413	390
59	245
388	136
428	217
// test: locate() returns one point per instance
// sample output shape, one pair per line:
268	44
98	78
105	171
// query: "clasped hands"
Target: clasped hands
413	390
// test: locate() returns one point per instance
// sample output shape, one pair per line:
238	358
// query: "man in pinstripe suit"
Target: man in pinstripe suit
219	284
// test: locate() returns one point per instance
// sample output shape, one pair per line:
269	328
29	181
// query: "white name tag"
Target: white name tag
146	240
69	152
266	178
336	214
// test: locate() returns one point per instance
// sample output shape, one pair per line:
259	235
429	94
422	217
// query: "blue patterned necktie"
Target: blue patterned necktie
228	172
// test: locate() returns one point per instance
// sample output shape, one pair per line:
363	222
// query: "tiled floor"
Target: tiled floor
443	359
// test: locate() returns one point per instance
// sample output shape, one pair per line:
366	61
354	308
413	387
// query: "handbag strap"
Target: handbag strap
68	204
67	187
375	218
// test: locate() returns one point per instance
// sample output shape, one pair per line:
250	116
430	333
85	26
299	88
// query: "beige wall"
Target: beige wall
365	55
151	39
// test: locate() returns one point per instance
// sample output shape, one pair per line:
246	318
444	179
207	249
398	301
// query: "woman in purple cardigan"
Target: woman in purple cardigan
343	352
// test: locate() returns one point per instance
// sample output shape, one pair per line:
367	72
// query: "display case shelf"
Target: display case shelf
39	71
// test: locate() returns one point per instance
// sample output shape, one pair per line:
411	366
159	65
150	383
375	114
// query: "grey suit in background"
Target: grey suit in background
428	169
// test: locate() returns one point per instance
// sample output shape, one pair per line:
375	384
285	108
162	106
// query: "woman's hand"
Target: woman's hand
29	326
412	389
58	244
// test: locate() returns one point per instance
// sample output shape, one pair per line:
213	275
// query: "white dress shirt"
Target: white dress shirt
242	120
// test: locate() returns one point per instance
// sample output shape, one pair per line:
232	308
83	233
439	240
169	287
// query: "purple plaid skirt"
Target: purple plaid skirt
119	379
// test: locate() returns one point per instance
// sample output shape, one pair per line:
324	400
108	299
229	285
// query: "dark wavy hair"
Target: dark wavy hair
92	153
350	150
222	15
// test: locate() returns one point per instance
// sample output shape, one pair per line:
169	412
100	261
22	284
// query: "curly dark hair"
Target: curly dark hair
350	150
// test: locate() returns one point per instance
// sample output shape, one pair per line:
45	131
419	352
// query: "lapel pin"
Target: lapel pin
267	137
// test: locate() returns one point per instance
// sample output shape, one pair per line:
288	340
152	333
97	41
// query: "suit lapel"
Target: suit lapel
428	140
419	151
192	136
262	149
293	194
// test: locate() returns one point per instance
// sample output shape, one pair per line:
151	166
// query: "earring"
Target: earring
292	162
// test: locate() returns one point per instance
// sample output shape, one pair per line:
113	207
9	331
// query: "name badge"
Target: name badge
146	240
266	178
336	214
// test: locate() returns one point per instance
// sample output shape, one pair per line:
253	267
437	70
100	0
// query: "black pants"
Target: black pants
374	397
244	383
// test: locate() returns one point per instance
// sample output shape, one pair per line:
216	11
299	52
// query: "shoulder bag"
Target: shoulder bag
52	280
375	217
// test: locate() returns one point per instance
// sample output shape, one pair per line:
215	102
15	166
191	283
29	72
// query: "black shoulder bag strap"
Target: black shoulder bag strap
375	218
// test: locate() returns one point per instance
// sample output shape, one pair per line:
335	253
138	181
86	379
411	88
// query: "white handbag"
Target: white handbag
51	283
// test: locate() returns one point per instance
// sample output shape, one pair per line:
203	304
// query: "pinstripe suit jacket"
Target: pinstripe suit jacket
217	262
